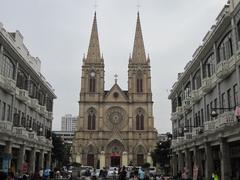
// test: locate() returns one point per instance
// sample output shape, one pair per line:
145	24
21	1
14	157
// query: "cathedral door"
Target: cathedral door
90	160
140	159
115	160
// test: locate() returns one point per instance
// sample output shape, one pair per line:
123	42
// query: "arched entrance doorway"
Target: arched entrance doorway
114	153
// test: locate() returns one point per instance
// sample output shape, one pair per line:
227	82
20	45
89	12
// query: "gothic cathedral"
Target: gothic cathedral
115	127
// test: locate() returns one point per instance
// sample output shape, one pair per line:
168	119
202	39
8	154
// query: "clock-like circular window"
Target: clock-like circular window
115	115
115	94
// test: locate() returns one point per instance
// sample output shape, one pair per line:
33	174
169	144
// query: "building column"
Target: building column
32	160
149	159
196	158
180	161
49	159
41	160
8	152
225	160
21	157
174	164
188	161
124	158
208	162
102	159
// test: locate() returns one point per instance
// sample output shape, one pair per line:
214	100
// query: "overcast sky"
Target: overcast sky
58	32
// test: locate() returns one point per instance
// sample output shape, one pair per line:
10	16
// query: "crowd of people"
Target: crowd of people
41	174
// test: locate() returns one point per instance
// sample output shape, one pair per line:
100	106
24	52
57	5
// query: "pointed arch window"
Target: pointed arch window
139	82
92	82
140	120
92	119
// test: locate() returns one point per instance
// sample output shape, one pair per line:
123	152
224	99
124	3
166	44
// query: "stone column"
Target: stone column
21	157
32	160
196	158
49	159
41	160
225	160
174	164
8	152
208	162
124	158
102	159
188	161
180	161
149	159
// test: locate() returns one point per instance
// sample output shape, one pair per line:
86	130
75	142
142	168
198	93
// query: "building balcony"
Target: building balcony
174	142
8	84
224	119
196	95
209	125
180	140
209	83
188	136
33	103
49	115
22	95
42	139
225	68
197	131
5	125
20	131
42	110
179	110
32	135
187	104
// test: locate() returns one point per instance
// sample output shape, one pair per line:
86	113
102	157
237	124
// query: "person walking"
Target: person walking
141	174
123	174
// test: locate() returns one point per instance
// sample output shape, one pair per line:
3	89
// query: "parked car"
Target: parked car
112	171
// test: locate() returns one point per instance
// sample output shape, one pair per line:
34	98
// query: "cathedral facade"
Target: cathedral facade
115	127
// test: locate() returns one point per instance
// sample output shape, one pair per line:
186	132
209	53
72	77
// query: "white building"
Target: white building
68	123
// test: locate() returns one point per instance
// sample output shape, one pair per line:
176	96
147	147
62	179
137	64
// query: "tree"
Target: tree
60	151
162	152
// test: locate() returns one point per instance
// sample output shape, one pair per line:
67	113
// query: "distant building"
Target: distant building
205	103
67	136
26	104
162	137
69	123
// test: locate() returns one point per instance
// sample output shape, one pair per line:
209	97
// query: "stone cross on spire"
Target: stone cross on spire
138	55
116	78
94	55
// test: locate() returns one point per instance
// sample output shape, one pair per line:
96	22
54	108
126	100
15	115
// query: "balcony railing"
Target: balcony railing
187	104
8	84
209	83
5	125
22	95
224	119
225	68
49	115
34	104
196	95
179	110
20	131
32	135
197	131
187	136
42	110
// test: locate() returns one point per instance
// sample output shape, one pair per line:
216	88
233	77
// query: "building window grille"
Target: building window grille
6	67
91	120
140	120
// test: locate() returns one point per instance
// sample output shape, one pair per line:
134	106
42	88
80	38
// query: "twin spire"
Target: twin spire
138	54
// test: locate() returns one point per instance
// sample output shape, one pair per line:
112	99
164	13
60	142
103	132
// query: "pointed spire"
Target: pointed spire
138	55
94	55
